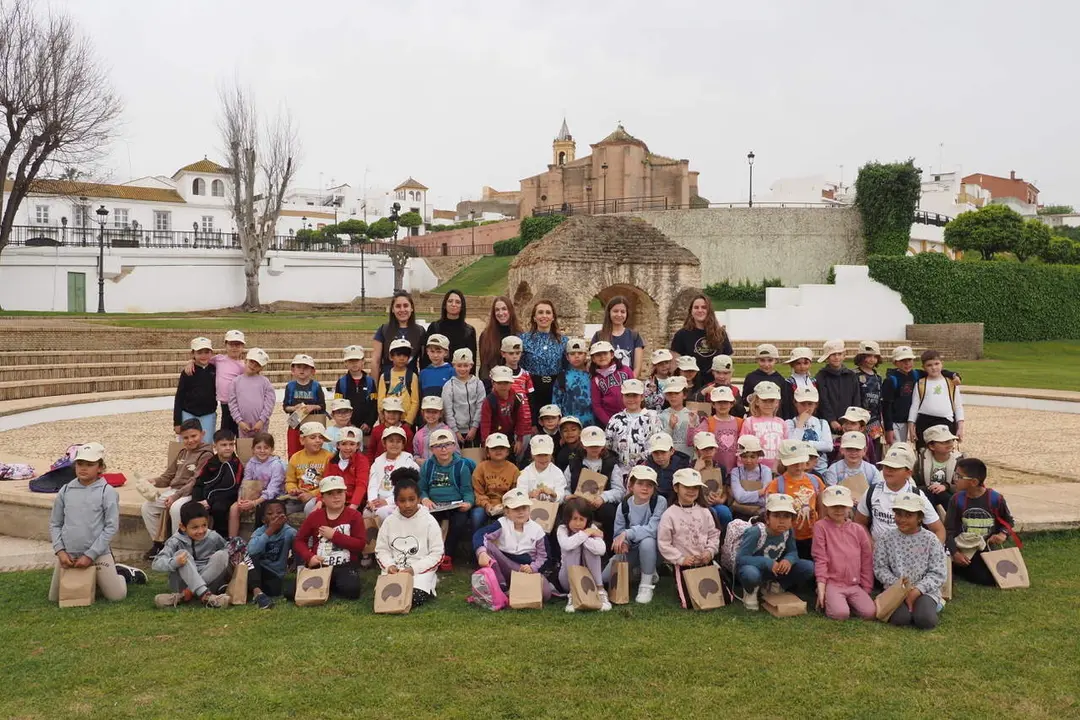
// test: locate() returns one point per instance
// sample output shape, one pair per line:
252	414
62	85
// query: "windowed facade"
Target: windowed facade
198	186
217	188
82	216
208	223
41	214
162	220
120	217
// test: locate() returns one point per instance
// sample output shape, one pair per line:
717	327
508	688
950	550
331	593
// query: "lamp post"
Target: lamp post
102	213
588	199
303	223
472	214
603	181
84	212
750	160
63	230
363	277
194	234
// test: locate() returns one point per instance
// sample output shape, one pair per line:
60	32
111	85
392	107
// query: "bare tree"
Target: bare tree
262	164
58	107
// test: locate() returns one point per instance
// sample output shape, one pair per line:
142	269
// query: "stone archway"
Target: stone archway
522	297
644	314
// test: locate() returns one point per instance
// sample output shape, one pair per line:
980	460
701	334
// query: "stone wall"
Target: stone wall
26	339
797	245
486	235
955	341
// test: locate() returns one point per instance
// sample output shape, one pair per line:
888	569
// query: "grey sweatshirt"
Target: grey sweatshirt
919	557
199	552
462	403
643	522
84	519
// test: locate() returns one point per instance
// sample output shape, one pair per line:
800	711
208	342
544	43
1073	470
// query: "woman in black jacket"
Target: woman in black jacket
453	325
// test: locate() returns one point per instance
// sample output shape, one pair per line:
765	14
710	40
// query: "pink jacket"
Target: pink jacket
843	554
687	531
607	392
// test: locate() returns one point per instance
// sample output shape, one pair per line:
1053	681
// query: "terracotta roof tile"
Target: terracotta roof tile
100	190
204	166
410	183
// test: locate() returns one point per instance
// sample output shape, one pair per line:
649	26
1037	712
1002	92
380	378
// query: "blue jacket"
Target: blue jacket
448	483
271	552
433	378
664	486
573	394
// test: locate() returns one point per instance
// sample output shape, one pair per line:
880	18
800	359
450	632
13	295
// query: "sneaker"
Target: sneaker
446	565
216	601
132	575
570	604
605	604
773	588
644	593
750	600
168	600
154	550
263	601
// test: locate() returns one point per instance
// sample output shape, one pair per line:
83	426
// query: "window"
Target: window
82	215
198	186
217	188
120	218
41	214
162	220
208	223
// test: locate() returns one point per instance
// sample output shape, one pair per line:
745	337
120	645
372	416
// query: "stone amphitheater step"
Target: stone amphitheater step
63	371
178	355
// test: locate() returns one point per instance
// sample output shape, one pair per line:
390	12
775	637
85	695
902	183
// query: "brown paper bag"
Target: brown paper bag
1008	568
371	532
590	484
474	454
856	484
713	479
946	588
250	490
312	586
752	485
891	598
583	590
704	587
703	409
545	513
393	594
245	449
784	604
620	583
238	585
526	591
78	586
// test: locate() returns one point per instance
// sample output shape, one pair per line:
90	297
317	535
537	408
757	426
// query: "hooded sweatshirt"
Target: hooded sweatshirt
180	476
270	474
838	390
84	519
607	391
195	393
462	402
686	531
197	552
415	543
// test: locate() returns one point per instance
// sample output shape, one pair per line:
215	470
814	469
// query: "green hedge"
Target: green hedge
1014	301
742	291
532	229
508	247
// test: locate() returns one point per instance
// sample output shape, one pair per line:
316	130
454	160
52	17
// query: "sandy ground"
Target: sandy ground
1021	446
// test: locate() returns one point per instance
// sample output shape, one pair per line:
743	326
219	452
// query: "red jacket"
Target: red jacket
356	477
345	546
375	446
510	417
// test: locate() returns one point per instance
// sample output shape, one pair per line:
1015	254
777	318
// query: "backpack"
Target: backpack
342	387
493	403
920	388
486	592
624	506
995	506
53	480
733	538
410	375
813	481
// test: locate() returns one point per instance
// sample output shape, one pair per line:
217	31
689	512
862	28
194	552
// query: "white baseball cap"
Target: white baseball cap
577	345
633	386
395	430
687	477
903	352
938	433
400	344
831	347
235	336
909	501
660	442
660	355
431	402
313	428
749	444
777	502
550	411
90	452
808	393
899	456
496	440
354	352
687	362
515	498
501	373
302	359
869	347
836	495
722	393
593	436
643	472
767	390
856	414
792	452
801	353
722	362
440	437
853	439
676	383
201	343
767	350
541	445
392	404
705	440
338	404
510	343
463	355
439	341
601	346
331	482
570	419
351	433
258	355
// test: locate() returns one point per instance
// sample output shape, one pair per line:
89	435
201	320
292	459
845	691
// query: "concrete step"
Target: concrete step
177	355
44	373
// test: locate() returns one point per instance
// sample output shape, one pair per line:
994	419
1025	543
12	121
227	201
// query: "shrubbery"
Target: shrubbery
508	247
743	291
532	229
1014	301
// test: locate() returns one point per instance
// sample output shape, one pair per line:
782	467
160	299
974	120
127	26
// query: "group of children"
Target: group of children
664	482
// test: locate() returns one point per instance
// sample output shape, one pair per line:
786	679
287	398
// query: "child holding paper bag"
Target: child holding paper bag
843	559
581	543
513	543
852	467
767	553
636	525
914	553
410	540
750	477
687	535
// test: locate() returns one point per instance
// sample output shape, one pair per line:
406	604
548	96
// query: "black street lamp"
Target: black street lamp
102	213
363	277
603	180
84	212
472	214
750	159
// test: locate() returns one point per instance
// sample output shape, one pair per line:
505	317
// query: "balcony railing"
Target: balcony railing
447	250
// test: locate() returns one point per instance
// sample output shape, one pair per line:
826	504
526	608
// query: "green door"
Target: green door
76	292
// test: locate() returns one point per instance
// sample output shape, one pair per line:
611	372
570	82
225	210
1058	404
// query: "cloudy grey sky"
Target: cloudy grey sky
464	94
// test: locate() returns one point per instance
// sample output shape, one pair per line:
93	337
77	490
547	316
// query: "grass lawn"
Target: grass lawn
996	654
486	276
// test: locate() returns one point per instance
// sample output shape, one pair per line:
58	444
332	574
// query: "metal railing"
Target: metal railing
447	250
928	218
605	207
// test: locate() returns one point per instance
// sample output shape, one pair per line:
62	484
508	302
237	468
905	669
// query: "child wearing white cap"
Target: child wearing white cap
629	430
541	479
665	461
399	379
677	419
875	509
763	422
750	471
438	371
358	388
504	411
446	477
687	535
393	414
431	408
662	363
808	427
722	370
521	381
303	394
252	397
802	487
409	538
380	490
548	424
723	427
195	390
573	387
843	559
867	359
851	462
608	375
513	543
936	464
492	479
799	361
340	415
767	553
306	468
334	536
908	550
836	384
637	522
463	399
581	542
227	368
767	356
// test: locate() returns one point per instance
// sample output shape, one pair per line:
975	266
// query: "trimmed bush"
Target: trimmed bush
743	291
1014	301
534	228
508	247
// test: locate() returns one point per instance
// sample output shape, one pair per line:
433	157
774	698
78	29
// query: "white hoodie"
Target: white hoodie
415	543
379	480
530	479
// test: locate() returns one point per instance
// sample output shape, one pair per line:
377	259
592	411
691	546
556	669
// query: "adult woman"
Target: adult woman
543	353
629	347
401	324
502	321
452	324
701	336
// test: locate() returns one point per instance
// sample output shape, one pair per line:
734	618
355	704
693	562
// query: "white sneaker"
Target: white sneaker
569	604
644	594
750	600
605	604
217	601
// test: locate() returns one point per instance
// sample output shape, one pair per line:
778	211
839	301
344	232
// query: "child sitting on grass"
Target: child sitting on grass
911	551
843	559
410	540
767	553
217	486
251	397
393	413
431	407
196	560
976	510
463	399
513	543
492	479
85	517
333	535
687	535
306	469
380	490
269	549
637	523
581	543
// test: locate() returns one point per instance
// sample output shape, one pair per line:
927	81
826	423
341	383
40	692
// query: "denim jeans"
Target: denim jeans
751	576
723	514
643	554
208	422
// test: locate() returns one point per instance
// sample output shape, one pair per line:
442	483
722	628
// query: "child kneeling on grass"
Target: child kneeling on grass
977	513
85	517
581	543
410	540
513	543
332	535
269	552
196	560
843	559
767	553
636	525
911	551
687	535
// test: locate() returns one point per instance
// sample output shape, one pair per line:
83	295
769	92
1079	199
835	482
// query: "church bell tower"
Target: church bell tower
563	147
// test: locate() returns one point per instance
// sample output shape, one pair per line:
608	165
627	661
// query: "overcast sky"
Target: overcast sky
464	94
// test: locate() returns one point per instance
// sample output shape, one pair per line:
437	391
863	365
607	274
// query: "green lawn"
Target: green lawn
486	276
996	654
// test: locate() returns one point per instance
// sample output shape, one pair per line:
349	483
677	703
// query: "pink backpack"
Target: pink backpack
486	591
